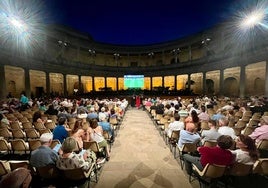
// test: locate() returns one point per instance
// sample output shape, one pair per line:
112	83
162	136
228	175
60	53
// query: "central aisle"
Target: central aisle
140	158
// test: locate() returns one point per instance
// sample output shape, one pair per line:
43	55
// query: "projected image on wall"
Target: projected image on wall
133	81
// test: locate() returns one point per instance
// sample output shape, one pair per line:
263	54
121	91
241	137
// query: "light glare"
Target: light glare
16	23
253	19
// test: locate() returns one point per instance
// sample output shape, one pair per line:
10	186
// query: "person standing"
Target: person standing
138	101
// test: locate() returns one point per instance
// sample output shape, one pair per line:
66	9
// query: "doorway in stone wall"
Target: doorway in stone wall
231	87
39	91
11	87
210	87
258	86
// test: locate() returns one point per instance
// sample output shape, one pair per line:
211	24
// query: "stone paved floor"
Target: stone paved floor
140	158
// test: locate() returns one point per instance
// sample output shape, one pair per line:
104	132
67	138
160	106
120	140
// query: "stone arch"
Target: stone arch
76	86
210	87
231	87
159	62
11	87
172	61
258	86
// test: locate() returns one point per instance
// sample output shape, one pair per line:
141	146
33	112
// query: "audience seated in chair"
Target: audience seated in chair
261	132
219	155
21	177
71	160
224	129
175	126
189	135
61	130
44	155
95	133
78	133
211	134
247	152
106	125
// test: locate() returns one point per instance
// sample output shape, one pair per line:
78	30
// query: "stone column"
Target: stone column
93	83
47	84
266	81
117	84
27	83
175	82
204	83
64	85
221	82
242	82
189	82
190	53
79	84
151	83
105	82
3	88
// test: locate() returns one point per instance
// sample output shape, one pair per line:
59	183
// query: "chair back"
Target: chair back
54	143
248	130
263	145
4	168
75	174
27	125
4	132
48	172
32	134
39	125
113	120
261	167
106	135
214	171
34	144
204	125
18	133
4	146
19	145
93	145
15	125
189	147
50	125
240	169
42	131
18	164
210	143
241	124
174	137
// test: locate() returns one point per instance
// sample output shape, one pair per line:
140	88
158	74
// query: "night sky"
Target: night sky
139	22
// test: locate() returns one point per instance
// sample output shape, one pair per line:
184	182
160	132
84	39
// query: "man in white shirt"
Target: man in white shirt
175	126
224	129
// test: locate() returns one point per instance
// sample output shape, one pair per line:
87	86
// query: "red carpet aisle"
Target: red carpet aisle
140	158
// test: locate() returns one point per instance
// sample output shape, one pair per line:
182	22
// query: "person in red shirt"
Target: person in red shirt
219	155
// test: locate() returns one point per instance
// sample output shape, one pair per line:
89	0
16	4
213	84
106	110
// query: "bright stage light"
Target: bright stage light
253	19
17	23
21	24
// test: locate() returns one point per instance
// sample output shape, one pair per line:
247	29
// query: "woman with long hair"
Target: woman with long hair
247	152
78	133
193	118
95	133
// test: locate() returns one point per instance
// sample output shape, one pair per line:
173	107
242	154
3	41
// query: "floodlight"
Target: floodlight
253	19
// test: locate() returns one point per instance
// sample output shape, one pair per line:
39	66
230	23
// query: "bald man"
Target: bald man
188	135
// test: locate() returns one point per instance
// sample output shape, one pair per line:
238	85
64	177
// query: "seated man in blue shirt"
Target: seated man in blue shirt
60	132
44	155
188	135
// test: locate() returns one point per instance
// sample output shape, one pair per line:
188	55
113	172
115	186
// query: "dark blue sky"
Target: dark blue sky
139	22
